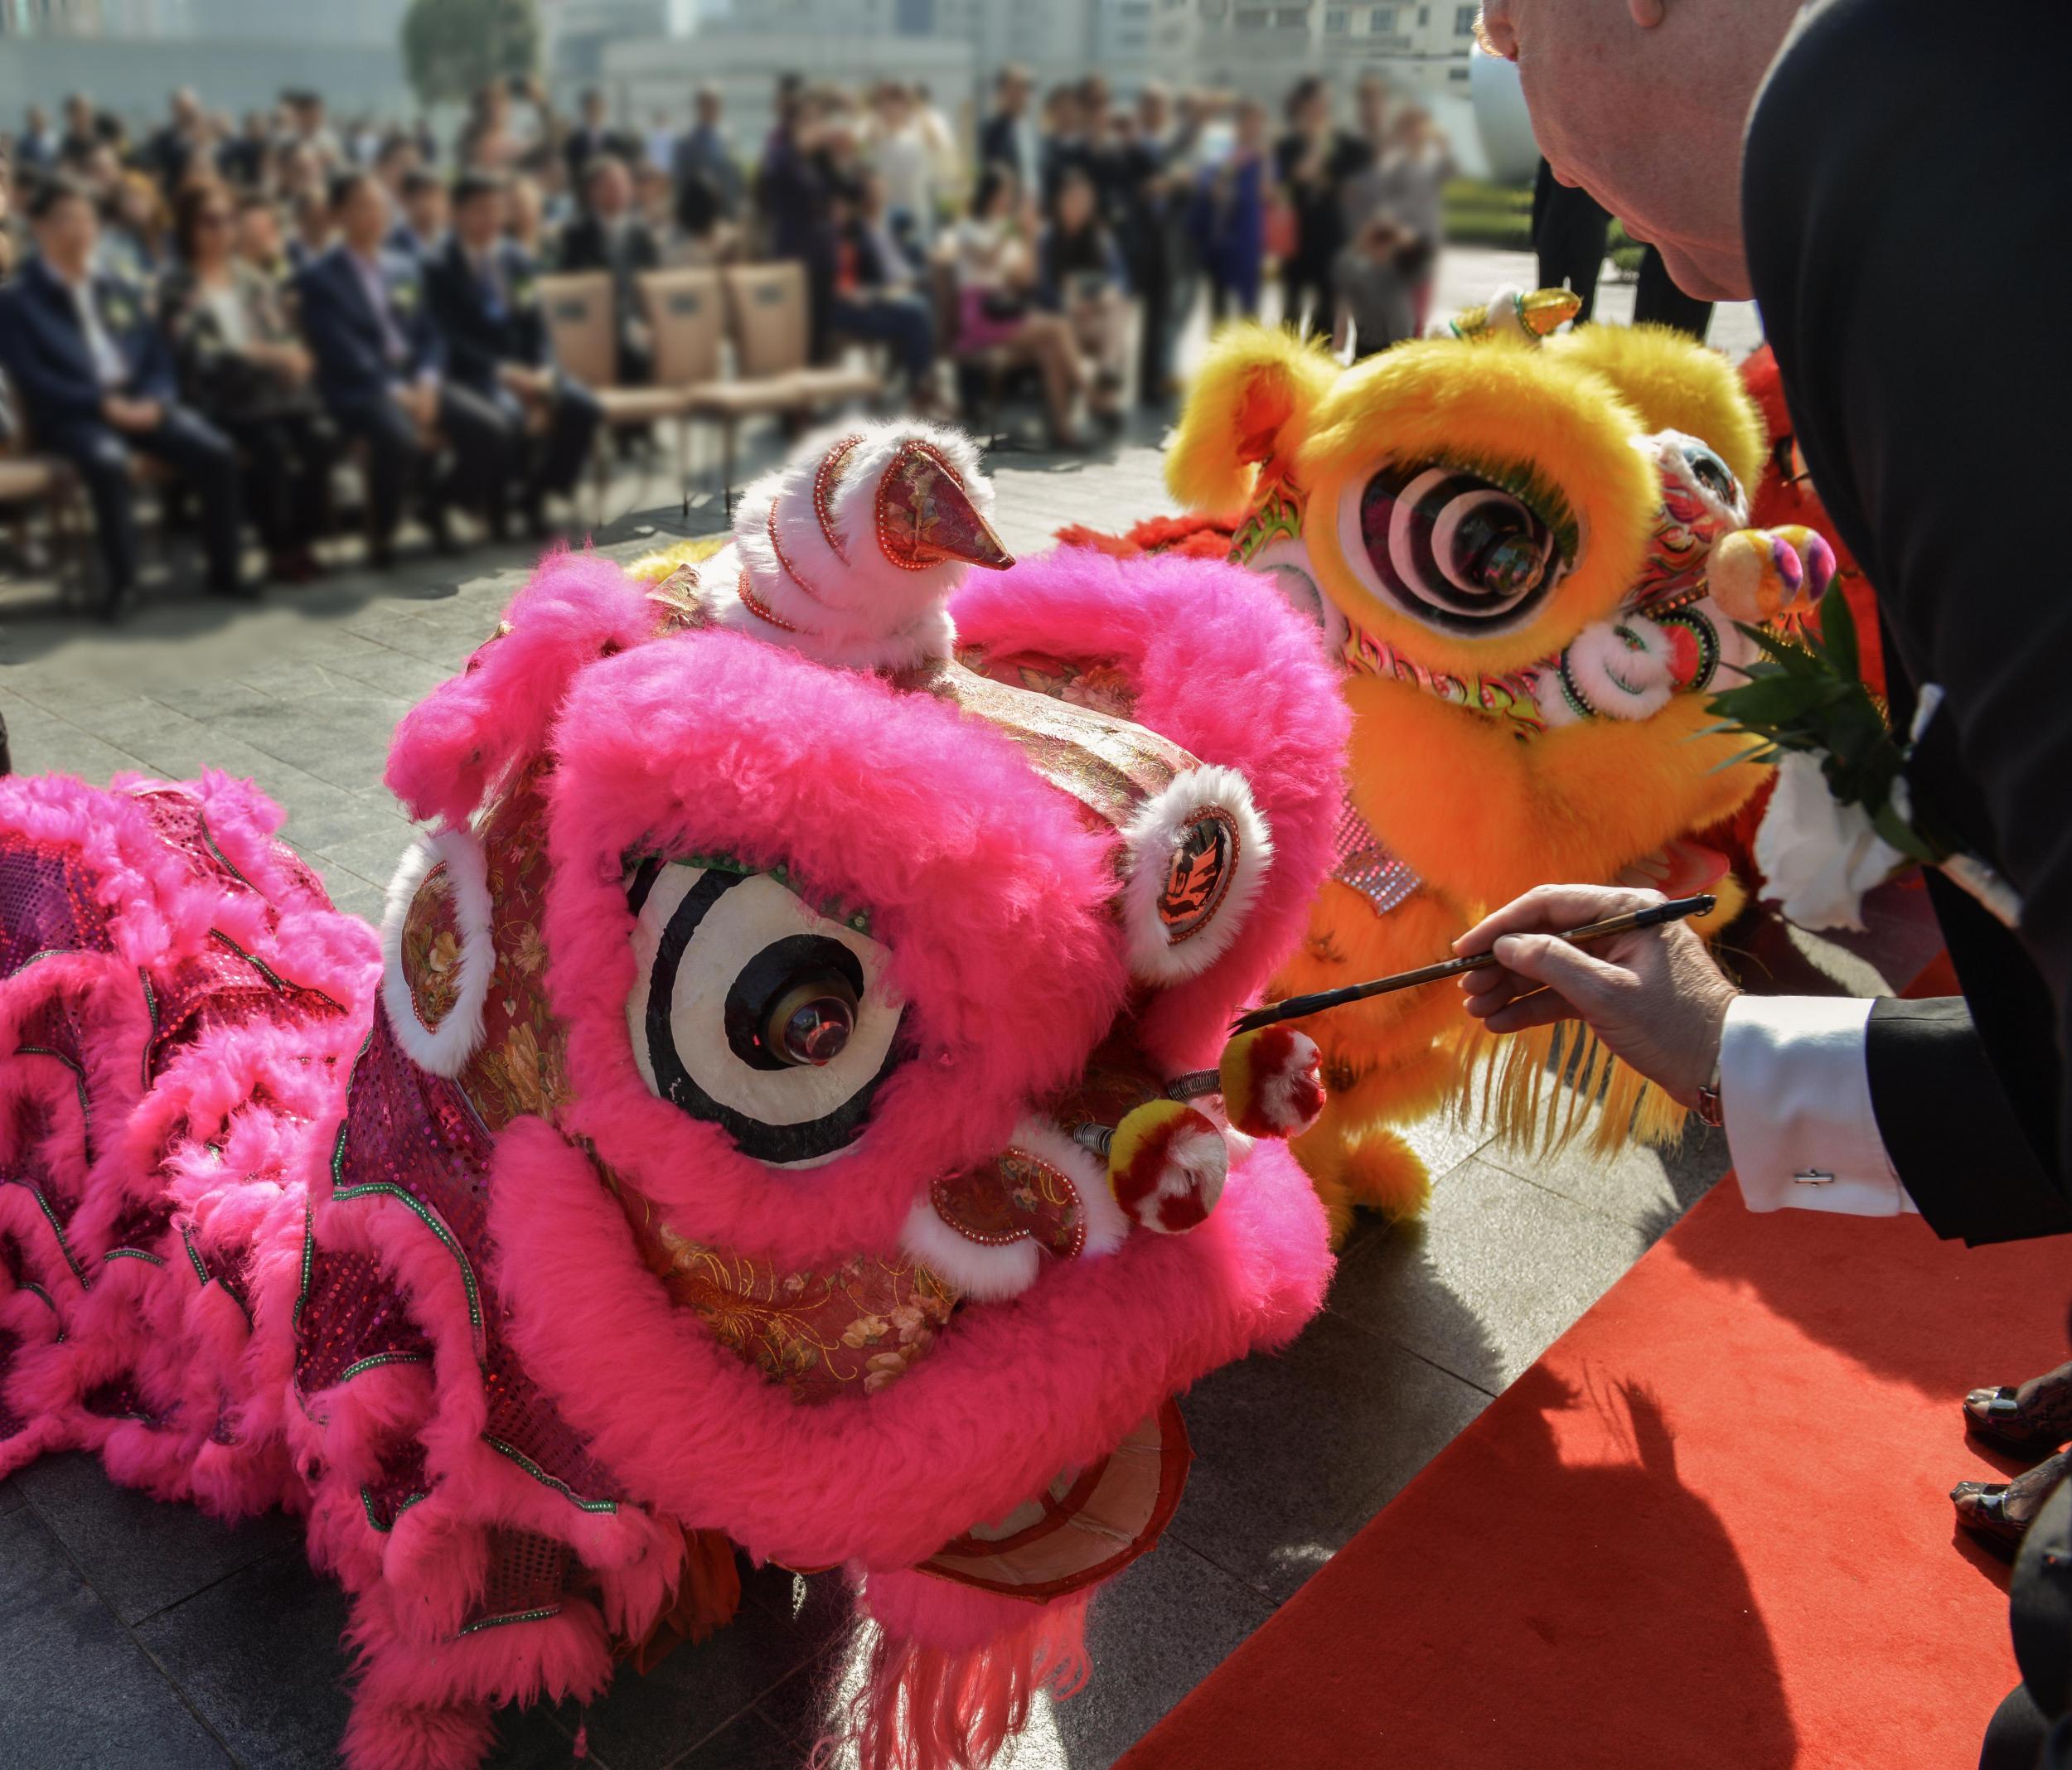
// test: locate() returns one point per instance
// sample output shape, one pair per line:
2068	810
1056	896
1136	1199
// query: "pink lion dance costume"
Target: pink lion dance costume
761	1120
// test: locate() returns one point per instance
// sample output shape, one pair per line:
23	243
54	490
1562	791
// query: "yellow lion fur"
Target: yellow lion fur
1674	386
1480	815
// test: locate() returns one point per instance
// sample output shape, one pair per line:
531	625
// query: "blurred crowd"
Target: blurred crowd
242	302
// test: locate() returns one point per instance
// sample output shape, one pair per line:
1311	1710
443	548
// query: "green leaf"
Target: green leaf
1838	632
1889	824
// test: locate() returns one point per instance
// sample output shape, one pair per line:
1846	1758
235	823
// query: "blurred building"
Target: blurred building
742	48
237	54
1262	48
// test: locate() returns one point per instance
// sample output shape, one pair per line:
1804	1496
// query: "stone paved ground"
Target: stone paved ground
133	1634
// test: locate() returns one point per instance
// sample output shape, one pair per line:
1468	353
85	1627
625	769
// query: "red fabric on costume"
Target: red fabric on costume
1708	1527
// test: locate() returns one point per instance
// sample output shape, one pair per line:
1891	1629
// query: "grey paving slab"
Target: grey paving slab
650	1721
1497	1271
75	1690
752	1743
257	1654
1164	1624
1649	1188
140	1554
1295	1451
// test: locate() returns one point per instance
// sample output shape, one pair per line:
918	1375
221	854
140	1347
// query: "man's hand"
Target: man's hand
1654	997
134	416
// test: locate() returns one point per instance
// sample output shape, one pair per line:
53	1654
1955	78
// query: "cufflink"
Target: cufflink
1813	1176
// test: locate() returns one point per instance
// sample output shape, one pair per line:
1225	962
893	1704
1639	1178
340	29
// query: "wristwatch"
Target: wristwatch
1708	1108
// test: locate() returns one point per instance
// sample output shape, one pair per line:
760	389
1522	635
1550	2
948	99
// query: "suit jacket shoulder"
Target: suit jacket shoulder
1923	451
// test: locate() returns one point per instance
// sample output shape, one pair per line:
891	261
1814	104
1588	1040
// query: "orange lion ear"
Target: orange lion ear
1250	402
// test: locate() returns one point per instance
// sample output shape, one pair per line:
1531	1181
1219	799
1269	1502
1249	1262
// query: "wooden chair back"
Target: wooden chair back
767	302
577	308
686	314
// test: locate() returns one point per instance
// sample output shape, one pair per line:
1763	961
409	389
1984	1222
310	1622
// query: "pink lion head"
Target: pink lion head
809	974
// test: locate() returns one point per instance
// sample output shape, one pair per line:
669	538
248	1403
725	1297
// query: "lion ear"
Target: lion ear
453	745
1251	401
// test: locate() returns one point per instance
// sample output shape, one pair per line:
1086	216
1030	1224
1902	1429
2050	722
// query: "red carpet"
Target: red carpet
1707	1529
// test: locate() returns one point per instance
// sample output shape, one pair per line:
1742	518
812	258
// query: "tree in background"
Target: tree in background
451	48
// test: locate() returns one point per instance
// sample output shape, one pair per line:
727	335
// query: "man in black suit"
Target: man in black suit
1761	144
96	381
591	138
382	369
1009	136
1571	230
608	235
485	297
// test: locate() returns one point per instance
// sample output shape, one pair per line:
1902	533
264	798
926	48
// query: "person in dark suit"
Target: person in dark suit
592	138
1657	301
486	300
1009	136
608	235
708	183
1570	231
1312	163
381	372
35	147
96	382
1740	144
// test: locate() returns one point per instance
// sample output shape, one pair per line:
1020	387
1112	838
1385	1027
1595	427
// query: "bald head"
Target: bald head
1643	103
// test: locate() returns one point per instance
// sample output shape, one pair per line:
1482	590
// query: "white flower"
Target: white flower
1819	855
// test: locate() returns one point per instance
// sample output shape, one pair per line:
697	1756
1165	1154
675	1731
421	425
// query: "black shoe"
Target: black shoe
2036	1416
120	604
1999	1513
238	589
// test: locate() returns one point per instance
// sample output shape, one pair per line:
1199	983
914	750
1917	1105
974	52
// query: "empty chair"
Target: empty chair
581	325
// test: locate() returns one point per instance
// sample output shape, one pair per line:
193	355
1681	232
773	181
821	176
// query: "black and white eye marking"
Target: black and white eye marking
1712	473
1449	548
755	1012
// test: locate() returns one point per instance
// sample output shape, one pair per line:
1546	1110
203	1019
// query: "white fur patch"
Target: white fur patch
443	1050
1624	668
992	1273
849	604
1162	951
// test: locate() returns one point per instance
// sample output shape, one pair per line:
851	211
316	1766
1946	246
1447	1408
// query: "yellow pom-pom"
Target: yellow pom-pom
1166	1166
1272	1082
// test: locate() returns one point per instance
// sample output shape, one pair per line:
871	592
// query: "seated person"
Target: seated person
242	365
1080	274
258	245
421	233
96	381
381	371
876	294
313	231
608	235
486	300
989	252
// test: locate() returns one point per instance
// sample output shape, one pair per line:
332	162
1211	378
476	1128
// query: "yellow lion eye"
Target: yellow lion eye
1452	550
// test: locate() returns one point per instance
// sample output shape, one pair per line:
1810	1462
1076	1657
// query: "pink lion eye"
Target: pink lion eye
755	1011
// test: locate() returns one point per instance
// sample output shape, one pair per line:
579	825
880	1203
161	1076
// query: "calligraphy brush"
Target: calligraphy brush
1678	909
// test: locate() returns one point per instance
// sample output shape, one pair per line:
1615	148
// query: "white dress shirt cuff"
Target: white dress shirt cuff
1796	1094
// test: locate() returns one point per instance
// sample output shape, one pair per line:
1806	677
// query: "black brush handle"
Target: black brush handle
1297	1008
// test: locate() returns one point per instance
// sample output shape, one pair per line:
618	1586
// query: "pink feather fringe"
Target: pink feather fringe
953	1672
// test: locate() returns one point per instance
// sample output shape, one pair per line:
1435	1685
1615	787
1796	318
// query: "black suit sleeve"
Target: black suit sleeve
1908	200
